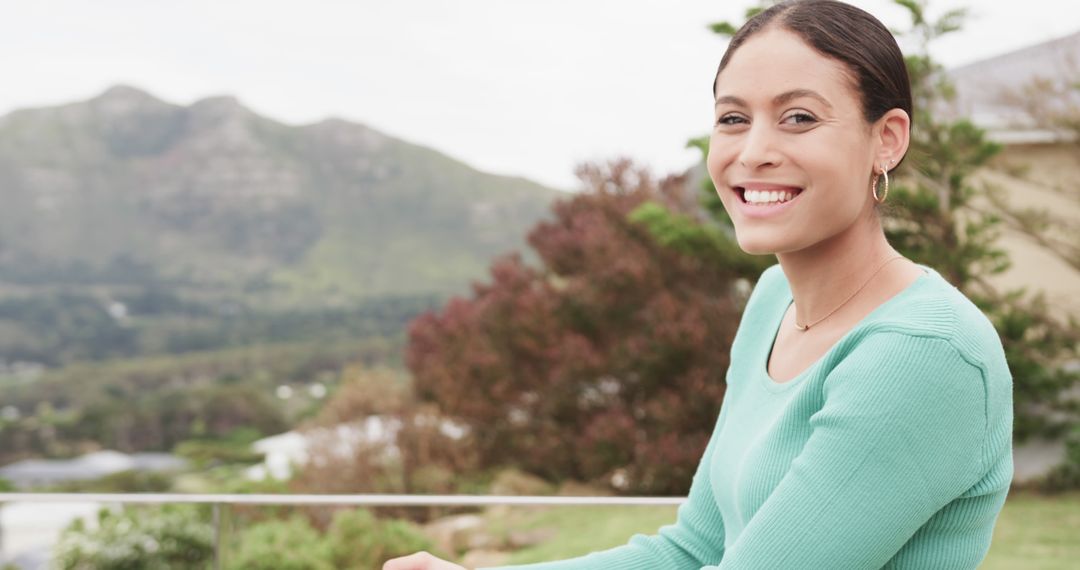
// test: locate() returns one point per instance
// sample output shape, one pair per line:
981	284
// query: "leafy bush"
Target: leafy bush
357	540
607	359
290	544
158	538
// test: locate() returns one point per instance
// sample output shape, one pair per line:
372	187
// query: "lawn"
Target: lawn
1037	533
1033	532
580	530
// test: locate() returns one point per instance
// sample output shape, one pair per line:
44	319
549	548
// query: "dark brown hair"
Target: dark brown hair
847	34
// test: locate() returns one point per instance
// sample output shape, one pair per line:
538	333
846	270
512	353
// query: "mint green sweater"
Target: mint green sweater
893	450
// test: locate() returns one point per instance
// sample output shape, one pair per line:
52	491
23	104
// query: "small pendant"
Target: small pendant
802	328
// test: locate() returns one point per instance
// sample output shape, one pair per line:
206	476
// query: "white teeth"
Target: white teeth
766	197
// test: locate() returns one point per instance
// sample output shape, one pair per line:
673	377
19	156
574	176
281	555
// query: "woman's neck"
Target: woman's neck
823	276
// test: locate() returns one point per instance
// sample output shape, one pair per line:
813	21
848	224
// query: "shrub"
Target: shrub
158	538
358	540
290	544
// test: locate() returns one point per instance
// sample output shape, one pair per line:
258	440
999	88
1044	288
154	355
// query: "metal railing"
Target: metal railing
218	500
355	500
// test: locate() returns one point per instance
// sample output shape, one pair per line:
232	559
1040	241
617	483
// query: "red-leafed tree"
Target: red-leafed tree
606	363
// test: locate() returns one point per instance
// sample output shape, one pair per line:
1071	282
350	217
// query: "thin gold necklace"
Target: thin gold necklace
852	296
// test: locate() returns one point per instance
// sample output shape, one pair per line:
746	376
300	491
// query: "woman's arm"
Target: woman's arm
900	434
695	539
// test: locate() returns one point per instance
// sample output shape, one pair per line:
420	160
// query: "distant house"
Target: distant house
31	473
982	89
283	452
1038	167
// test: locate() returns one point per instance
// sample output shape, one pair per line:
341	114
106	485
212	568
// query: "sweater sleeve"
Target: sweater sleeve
695	539
898	436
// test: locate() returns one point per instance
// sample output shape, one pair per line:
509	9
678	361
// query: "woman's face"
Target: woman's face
790	153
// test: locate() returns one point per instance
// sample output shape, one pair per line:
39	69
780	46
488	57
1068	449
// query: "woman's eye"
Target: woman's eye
800	118
730	120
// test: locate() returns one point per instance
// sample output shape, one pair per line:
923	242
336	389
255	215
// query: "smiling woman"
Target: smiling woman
867	421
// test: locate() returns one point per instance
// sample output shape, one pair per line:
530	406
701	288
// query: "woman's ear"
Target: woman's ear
893	137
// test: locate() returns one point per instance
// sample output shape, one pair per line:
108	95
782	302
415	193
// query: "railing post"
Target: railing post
217	535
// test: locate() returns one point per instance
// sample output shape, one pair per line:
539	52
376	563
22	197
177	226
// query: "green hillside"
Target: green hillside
127	188
128	220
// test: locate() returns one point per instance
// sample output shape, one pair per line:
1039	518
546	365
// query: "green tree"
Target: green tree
605	363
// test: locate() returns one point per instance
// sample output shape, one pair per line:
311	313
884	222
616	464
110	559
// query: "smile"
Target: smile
758	194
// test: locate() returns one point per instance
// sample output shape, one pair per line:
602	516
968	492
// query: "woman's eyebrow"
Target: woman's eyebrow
730	99
797	93
778	100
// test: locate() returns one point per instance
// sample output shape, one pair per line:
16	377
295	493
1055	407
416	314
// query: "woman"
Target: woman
867	421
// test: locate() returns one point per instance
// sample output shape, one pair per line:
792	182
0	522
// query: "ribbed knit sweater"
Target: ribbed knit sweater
892	450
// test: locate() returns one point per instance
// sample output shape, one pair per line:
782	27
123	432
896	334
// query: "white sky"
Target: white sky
520	87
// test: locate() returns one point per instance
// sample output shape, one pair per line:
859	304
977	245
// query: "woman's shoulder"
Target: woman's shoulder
770	284
933	307
769	292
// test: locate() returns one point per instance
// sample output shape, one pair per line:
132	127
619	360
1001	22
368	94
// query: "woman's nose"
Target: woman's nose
758	148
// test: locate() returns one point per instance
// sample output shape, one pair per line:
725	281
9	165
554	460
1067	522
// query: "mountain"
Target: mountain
134	226
215	199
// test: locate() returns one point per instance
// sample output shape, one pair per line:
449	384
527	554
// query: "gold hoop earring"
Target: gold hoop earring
874	185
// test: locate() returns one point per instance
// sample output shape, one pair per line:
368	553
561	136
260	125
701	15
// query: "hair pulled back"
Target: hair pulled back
847	34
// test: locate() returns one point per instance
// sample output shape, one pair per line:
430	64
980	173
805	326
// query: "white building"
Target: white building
284	452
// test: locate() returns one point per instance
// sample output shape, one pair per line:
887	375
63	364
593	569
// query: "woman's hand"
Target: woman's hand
420	561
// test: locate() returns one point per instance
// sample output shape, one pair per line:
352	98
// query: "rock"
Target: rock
522	538
482	558
454	533
480	540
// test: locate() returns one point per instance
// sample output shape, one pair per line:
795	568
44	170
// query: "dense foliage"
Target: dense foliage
355	540
182	536
55	328
143	538
199	396
289	544
608	361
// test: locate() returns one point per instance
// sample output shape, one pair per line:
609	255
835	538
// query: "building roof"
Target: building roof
983	88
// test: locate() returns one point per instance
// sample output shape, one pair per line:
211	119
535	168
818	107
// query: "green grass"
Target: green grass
1036	533
1033	532
580	530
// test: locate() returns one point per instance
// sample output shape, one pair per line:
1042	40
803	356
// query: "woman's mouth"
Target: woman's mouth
761	196
764	200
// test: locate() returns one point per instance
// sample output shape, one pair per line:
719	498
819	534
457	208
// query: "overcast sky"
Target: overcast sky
519	87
